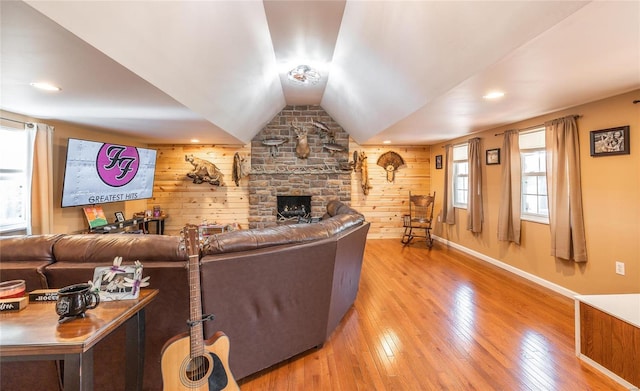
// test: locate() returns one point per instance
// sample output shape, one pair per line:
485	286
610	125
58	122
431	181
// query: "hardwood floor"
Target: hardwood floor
440	320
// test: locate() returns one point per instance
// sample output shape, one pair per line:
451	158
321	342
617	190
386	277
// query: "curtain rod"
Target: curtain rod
20	122
538	126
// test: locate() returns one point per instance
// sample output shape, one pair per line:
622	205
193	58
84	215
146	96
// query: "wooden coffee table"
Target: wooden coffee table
35	334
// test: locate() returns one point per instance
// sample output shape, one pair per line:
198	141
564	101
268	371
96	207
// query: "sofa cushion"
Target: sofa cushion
103	248
28	248
339	217
335	207
25	257
342	222
252	239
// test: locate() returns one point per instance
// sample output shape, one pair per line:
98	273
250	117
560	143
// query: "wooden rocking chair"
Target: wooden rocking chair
419	218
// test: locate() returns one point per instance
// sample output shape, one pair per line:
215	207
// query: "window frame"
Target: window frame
455	176
6	173
524	215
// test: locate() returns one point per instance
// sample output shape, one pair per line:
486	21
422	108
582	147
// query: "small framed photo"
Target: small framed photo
119	217
613	141
493	156
438	162
116	282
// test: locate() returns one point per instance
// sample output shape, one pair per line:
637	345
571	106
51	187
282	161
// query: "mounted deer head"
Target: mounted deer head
302	145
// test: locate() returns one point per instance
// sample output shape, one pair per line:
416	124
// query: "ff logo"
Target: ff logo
117	165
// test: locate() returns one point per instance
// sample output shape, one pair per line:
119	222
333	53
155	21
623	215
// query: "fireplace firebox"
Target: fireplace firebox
294	208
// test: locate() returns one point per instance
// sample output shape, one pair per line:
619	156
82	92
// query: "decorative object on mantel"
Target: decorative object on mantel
302	144
613	141
204	171
390	161
365	173
273	144
118	282
239	170
293	169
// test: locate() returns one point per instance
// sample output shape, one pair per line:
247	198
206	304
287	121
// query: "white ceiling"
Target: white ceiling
413	72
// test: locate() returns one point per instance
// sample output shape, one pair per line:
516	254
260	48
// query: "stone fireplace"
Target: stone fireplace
279	172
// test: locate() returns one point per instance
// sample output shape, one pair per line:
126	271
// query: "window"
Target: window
534	176
13	180
460	175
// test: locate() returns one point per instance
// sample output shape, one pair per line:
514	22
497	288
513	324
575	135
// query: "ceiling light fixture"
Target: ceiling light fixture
45	86
304	74
195	140
386	142
494	95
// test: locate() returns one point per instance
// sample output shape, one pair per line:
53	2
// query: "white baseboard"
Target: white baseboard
531	277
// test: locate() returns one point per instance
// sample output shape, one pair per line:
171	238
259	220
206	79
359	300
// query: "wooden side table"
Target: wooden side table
35	334
159	220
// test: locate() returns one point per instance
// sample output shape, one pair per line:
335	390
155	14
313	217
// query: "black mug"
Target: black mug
74	300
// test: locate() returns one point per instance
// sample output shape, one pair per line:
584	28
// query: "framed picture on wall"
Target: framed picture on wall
493	156
438	162
613	141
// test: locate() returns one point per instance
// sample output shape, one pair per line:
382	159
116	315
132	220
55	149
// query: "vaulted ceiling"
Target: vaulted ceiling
413	72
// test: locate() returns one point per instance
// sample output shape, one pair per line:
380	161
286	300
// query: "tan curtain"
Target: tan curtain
564	190
448	214
474	216
42	180
511	184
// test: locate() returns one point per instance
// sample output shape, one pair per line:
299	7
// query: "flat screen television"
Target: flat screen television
98	173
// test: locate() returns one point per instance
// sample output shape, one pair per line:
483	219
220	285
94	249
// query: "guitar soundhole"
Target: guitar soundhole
197	368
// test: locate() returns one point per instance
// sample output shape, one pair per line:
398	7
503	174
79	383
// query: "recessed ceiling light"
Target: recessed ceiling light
494	95
195	140
386	142
46	86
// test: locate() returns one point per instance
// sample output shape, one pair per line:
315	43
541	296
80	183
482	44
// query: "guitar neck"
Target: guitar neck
196	334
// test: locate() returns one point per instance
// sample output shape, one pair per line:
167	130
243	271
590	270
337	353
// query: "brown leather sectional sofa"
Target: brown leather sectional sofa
276	292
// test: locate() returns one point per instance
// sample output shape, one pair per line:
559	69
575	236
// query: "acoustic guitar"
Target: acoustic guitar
188	361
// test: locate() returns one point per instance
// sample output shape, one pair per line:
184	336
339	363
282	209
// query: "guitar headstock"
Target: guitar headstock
189	238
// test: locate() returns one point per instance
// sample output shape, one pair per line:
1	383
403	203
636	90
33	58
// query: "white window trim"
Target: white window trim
534	218
453	182
24	226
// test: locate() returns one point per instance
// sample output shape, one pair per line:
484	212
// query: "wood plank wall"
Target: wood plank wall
186	202
388	201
